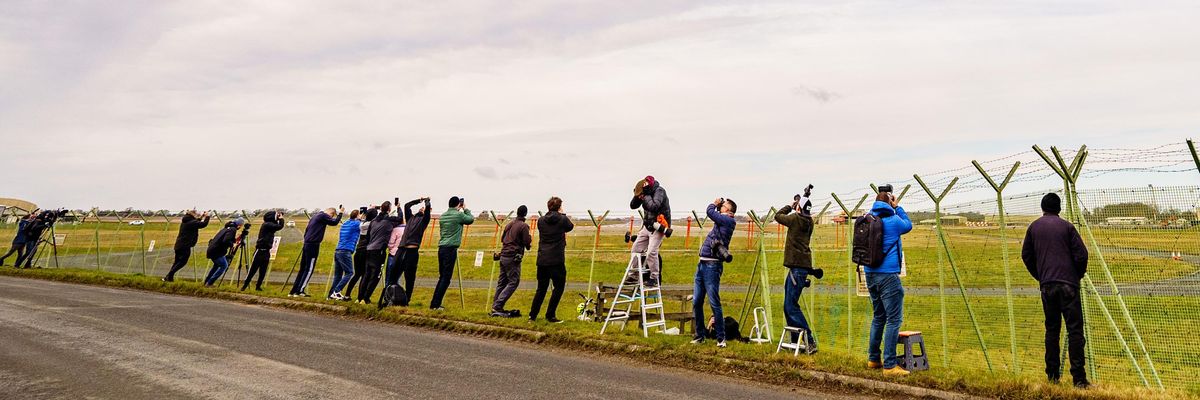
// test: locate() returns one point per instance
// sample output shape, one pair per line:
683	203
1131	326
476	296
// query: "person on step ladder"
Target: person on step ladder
797	257
649	194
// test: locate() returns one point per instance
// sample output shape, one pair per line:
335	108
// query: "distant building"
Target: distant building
1127	221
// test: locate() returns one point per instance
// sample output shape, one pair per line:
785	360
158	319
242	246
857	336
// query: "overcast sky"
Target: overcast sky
235	104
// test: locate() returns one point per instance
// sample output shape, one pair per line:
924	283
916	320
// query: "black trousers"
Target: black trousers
360	266
262	259
546	275
308	262
447	256
370	278
407	266
1062	302
181	259
18	248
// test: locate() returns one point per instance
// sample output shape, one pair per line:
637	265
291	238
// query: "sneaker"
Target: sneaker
502	314
1083	385
334	297
554	320
438	308
168	279
513	313
812	349
895	371
532	318
697	340
258	289
291	295
874	365
721	344
302	294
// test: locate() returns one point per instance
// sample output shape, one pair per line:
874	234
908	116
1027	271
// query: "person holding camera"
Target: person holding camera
189	234
1055	255
552	259
381	231
261	261
883	284
714	253
366	215
514	241
451	223
219	249
314	234
797	257
649	194
344	267
410	245
33	235
21	240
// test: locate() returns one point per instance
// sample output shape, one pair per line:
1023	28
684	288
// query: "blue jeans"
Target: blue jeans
793	287
220	264
887	299
708	282
345	269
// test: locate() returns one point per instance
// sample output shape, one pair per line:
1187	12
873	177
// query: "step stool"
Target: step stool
908	360
801	342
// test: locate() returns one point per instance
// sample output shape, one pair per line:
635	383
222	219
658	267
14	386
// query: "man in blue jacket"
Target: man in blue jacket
347	239
314	234
883	283
709	269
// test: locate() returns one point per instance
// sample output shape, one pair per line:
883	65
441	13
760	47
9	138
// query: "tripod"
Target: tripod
240	244
41	250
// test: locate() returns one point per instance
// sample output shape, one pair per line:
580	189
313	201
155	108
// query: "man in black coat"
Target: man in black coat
552	259
272	222
189	233
1054	254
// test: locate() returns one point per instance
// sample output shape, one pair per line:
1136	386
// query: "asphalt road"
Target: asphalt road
72	341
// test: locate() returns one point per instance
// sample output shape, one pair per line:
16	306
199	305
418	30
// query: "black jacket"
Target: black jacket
315	232
221	243
414	230
189	231
1054	251
266	233
797	253
653	204
552	240
381	231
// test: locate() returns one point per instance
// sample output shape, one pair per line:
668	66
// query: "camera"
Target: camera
720	251
807	193
885	188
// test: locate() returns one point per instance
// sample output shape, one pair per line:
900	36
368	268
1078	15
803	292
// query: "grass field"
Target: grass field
1134	256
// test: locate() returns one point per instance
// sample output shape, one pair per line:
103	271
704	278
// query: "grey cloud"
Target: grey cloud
820	95
490	173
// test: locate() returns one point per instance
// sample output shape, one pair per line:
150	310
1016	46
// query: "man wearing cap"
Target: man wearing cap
1054	254
451	223
649	194
797	257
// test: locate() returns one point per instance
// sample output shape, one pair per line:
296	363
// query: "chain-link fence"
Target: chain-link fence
966	286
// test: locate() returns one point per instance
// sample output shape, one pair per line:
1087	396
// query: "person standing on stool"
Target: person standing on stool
1054	254
797	257
883	283
649	194
552	259
451	223
708	271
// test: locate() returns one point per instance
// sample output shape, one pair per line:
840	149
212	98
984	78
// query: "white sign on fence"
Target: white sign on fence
479	259
275	248
151	249
60	238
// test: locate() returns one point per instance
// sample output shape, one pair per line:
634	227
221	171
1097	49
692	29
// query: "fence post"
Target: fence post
595	244
999	188
687	238
1070	175
937	215
764	276
852	272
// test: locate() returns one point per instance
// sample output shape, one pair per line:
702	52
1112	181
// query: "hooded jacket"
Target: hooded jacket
315	232
348	234
516	238
221	243
722	231
796	252
451	223
414	229
381	231
653	203
21	236
895	223
1054	252
189	231
552	239
272	222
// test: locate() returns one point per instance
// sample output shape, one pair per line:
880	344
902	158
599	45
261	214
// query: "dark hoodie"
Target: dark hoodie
516	238
1054	252
654	203
552	240
315	232
189	231
266	233
221	243
414	231
381	231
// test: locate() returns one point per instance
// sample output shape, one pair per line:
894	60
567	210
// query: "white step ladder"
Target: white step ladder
761	332
650	299
801	343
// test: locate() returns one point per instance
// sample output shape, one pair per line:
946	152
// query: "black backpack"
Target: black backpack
393	295
868	241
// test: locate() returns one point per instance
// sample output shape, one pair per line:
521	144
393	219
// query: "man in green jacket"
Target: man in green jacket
451	223
797	257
